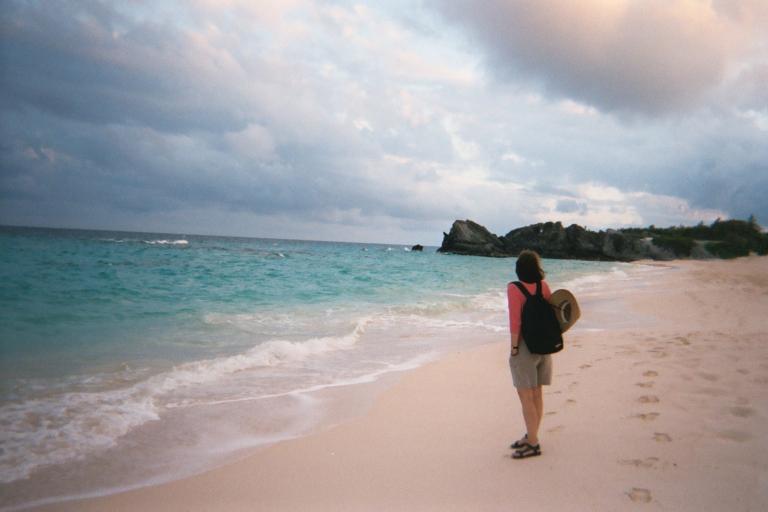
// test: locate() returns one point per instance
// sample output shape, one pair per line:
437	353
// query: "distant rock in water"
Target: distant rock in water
467	237
725	239
417	247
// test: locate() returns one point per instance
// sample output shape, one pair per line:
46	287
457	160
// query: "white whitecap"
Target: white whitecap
167	242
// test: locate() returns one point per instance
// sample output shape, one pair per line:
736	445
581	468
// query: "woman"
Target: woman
529	371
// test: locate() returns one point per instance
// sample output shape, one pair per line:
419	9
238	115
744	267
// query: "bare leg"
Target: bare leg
538	399
530	414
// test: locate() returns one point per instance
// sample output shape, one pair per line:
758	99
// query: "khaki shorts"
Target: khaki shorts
530	370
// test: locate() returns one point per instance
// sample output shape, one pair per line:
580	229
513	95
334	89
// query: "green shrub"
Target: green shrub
733	246
618	243
762	246
680	246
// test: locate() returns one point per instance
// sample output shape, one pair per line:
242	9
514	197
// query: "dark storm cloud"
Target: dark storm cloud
729	171
103	108
87	62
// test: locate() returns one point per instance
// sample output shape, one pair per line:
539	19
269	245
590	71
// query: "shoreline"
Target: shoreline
436	438
199	427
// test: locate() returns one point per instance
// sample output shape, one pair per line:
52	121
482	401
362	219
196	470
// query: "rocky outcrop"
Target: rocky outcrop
417	248
553	240
549	239
467	237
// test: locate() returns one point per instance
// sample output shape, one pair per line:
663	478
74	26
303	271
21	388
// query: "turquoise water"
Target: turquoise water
73	299
104	333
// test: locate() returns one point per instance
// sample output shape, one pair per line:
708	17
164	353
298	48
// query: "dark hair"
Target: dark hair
528	267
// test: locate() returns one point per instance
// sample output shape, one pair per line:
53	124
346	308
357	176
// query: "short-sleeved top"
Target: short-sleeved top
516	299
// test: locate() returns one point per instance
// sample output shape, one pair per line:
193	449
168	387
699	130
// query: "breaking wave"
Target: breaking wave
68	426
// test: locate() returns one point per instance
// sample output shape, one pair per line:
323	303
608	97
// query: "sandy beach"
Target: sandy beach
660	407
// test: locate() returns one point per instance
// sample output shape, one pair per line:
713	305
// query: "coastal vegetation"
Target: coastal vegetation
722	239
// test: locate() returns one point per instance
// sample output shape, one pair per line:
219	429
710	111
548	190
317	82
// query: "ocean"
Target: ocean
134	358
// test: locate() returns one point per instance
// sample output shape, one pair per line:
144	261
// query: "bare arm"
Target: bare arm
515	344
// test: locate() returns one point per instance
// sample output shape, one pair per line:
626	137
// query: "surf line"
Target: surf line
299	393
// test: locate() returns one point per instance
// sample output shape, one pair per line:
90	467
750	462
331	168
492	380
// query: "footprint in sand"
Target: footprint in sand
648	416
734	435
711	377
650	373
648	399
644	384
742	412
648	462
743	371
660	437
639	495
585	366
555	429
570	401
550	413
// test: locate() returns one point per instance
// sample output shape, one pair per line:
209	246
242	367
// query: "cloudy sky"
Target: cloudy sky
381	121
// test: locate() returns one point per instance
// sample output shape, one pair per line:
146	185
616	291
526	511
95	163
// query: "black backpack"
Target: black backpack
540	329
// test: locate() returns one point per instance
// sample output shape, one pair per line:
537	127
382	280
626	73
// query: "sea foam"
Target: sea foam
167	242
69	426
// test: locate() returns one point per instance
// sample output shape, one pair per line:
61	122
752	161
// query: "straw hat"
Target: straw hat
566	308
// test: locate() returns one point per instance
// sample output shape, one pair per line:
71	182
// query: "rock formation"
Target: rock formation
467	237
552	240
726	239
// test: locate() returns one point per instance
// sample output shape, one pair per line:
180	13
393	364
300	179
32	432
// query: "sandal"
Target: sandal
528	450
519	444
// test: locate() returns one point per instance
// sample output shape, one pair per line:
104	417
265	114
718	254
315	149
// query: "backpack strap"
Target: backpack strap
523	289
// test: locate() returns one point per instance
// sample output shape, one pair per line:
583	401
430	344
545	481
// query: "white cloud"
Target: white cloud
596	192
576	108
464	149
758	118
362	125
650	56
513	157
327	116
599	207
253	142
415	110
